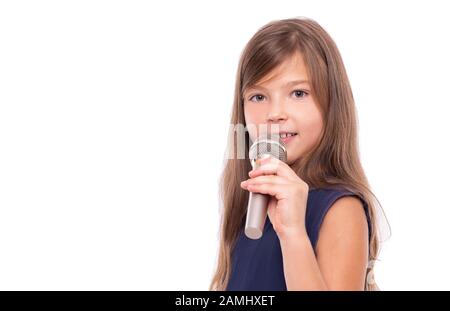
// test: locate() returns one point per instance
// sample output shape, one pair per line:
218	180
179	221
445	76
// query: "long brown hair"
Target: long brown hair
334	161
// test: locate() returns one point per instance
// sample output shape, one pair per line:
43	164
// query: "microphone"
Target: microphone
266	145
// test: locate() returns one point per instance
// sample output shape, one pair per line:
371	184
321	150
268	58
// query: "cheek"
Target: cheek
253	118
313	127
253	114
310	128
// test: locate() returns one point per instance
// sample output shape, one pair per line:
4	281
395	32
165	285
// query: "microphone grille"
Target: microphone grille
268	144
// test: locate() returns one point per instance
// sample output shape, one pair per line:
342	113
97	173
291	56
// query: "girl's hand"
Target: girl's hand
289	194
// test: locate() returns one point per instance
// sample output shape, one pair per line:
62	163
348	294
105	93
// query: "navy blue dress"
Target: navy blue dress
258	264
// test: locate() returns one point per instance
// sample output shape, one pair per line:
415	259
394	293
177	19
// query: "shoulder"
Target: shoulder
336	209
346	214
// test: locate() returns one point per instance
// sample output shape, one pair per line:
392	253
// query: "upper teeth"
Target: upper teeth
284	135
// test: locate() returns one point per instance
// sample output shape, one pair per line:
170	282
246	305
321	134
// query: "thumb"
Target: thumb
271	210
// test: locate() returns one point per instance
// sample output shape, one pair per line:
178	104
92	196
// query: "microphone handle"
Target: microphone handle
256	215
256	209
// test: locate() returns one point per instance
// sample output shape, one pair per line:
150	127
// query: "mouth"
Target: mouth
286	134
286	137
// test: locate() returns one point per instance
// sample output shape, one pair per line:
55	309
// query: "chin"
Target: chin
291	159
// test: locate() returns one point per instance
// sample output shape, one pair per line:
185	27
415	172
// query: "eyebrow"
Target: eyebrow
290	83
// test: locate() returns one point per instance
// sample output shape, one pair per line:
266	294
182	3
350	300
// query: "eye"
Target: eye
256	96
300	92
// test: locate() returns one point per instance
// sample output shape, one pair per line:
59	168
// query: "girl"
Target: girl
321	231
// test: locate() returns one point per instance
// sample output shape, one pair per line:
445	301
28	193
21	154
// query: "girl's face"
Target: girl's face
282	102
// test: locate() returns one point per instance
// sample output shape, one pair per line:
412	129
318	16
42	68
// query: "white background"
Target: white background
113	123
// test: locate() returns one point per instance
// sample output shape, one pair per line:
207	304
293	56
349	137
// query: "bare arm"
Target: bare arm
342	251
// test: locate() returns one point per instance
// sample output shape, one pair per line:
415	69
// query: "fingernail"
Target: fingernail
262	160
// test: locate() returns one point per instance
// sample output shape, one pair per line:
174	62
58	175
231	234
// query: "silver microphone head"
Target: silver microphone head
267	144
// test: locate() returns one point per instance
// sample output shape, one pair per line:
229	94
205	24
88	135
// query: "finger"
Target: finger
266	169
266	179
273	166
277	190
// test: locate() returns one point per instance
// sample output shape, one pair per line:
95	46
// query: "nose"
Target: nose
276	112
